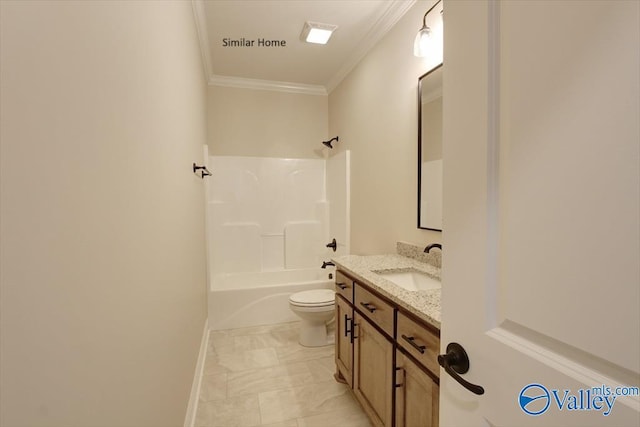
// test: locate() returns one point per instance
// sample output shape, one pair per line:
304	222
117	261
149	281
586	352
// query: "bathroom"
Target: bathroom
105	106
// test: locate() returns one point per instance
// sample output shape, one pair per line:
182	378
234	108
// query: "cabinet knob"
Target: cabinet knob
342	286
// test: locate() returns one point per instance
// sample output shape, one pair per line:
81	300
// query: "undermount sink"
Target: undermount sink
411	280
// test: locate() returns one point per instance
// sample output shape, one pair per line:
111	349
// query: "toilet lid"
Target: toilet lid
315	297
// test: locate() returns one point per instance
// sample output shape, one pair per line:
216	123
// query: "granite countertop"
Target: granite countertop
424	304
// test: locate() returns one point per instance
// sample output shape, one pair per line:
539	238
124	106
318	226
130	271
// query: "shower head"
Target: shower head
328	143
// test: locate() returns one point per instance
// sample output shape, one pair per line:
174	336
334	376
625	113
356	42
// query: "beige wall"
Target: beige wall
263	123
102	249
375	112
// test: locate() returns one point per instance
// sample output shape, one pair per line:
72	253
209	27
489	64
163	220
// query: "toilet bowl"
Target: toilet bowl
315	308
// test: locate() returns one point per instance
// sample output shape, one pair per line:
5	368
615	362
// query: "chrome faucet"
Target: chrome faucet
325	264
431	246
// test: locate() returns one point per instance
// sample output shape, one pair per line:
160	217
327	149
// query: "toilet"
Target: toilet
315	308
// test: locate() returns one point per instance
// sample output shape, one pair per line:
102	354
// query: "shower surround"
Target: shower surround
268	222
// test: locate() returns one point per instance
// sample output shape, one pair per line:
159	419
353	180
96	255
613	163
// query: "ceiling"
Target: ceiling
297	66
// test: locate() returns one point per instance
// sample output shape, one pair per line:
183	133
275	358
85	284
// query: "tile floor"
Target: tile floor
261	376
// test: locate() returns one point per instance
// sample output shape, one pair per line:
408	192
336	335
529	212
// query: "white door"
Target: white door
541	267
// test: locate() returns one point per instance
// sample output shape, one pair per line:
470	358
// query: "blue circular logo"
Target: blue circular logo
534	399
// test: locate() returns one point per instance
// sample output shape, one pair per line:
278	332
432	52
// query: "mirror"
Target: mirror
430	150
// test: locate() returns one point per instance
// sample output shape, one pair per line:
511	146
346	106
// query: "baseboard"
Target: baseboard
192	407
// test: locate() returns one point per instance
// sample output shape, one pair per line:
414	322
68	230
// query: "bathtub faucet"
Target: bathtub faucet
325	264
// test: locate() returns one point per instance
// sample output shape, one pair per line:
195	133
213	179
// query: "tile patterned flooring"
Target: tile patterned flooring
261	376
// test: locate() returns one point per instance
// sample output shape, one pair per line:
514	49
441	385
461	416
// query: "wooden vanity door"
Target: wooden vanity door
417	395
373	376
344	347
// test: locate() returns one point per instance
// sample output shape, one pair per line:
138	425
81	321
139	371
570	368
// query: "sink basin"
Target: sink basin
411	280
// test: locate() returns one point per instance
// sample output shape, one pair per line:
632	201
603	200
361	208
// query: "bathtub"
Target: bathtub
240	300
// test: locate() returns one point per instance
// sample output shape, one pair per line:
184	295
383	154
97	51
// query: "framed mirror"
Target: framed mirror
430	150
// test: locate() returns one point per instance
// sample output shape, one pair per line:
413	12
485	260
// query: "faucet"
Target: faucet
325	264
431	246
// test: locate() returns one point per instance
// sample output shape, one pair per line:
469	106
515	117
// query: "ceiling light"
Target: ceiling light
315	32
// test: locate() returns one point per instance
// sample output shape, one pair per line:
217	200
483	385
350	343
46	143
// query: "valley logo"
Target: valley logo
535	399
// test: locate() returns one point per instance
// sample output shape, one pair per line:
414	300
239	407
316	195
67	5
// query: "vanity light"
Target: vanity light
315	32
423	38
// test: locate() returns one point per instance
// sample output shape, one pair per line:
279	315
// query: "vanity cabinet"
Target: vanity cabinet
386	356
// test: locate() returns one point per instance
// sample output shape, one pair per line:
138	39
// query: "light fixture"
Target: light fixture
423	38
315	32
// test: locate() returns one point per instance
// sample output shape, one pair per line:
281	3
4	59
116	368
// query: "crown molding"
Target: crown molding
272	85
239	82
396	10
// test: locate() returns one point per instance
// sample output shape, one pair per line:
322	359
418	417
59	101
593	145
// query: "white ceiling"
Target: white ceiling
300	66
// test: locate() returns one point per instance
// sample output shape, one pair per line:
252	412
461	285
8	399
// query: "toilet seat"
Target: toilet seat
313	298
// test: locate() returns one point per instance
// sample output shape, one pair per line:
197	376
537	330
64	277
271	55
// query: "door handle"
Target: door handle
456	362
342	286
